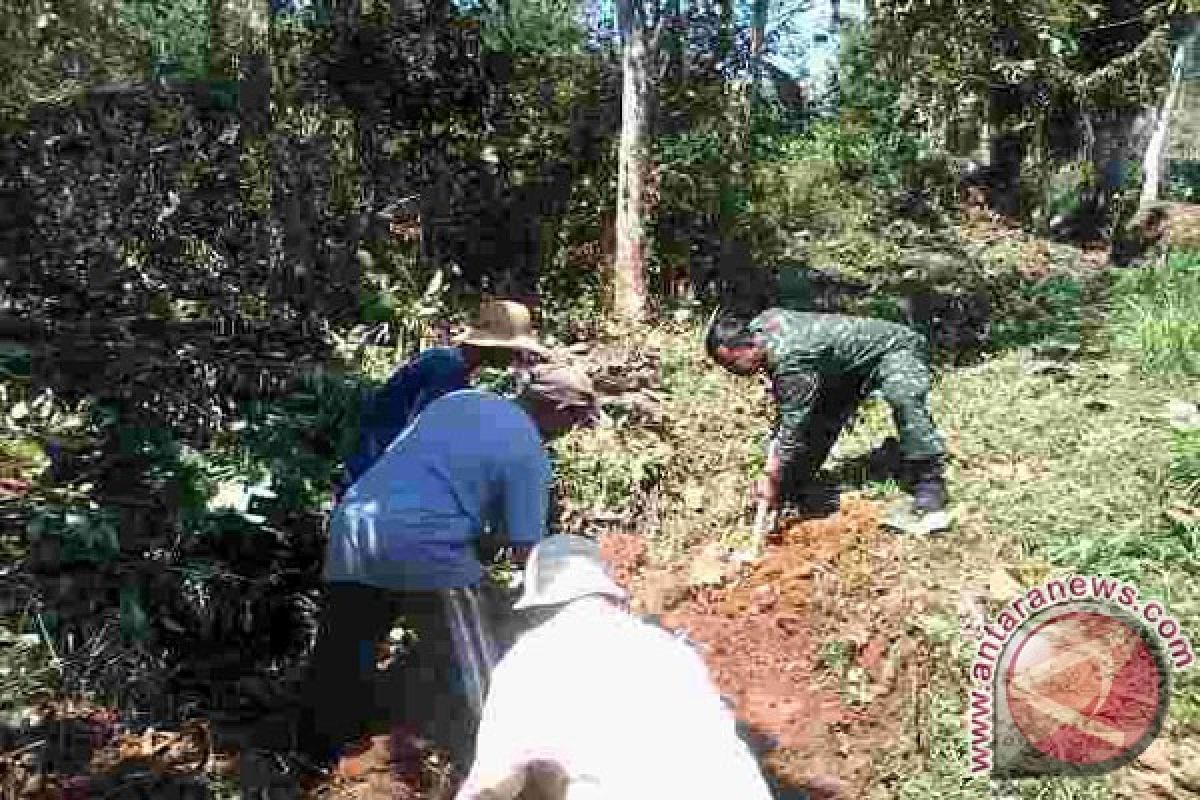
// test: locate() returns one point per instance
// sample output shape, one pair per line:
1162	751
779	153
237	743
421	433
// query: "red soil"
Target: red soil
830	580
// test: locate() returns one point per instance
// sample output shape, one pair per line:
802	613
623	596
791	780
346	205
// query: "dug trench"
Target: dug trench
807	645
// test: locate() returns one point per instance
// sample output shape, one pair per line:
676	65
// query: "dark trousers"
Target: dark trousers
835	405
434	690
903	378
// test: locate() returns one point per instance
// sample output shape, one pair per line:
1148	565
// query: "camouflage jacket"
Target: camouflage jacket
805	350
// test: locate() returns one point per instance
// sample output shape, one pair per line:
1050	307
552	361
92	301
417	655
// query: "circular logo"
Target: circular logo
1087	688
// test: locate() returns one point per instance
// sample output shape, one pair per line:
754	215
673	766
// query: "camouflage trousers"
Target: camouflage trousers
904	380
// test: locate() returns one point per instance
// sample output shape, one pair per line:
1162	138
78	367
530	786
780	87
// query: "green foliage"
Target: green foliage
22	458
81	535
179	32
344	193
690	169
254	176
27	667
596	470
290	449
1157	315
1185	463
870	140
15	361
1050	308
1183	181
41	44
882	306
135	621
1065	188
532	27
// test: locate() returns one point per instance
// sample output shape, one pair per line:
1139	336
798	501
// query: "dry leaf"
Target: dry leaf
1002	586
710	568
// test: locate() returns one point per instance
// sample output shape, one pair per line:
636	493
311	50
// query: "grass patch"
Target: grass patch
1068	472
936	720
1076	473
1157	315
1051	308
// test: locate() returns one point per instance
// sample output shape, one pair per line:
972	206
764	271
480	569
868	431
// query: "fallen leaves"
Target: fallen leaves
161	752
710	567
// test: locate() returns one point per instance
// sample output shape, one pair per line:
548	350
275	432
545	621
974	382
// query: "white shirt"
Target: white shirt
628	711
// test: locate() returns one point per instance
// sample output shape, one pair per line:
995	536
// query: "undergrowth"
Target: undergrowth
1157	315
1074	472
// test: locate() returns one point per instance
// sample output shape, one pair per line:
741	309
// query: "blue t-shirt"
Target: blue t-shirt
431	374
471	459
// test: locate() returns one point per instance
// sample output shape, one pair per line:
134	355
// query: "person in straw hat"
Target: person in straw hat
594	703
404	543
502	334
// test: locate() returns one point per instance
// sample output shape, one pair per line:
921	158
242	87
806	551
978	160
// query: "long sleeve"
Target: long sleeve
411	388
707	732
795	393
528	483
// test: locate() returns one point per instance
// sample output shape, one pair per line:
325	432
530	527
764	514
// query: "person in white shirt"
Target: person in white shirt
594	704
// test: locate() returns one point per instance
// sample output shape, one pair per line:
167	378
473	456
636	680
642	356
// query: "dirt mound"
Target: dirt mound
807	644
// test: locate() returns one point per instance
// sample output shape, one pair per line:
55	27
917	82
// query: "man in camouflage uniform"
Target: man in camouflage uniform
821	366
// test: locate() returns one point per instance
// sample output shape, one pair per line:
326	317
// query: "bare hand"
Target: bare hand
766	490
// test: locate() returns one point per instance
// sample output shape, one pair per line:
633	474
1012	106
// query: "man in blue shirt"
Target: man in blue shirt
502	335
403	544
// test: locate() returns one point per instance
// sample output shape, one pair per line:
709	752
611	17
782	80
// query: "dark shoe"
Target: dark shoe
929	487
817	499
307	767
886	461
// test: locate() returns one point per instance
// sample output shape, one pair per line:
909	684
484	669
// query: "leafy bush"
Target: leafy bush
1066	188
804	190
1185	464
76	535
870	141
596	470
531	27
1050	308
1183	181
1157	315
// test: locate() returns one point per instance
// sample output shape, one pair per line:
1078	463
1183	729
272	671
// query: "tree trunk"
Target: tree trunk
685	45
1156	149
629	296
725	30
758	41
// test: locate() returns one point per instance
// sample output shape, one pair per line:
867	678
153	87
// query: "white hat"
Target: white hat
565	567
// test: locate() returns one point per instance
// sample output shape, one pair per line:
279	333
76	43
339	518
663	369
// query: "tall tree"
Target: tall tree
1156	148
641	23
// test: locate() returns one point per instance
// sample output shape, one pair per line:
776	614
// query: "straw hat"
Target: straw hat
565	567
503	323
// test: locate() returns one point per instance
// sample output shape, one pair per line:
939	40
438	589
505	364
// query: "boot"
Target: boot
816	499
886	461
929	487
